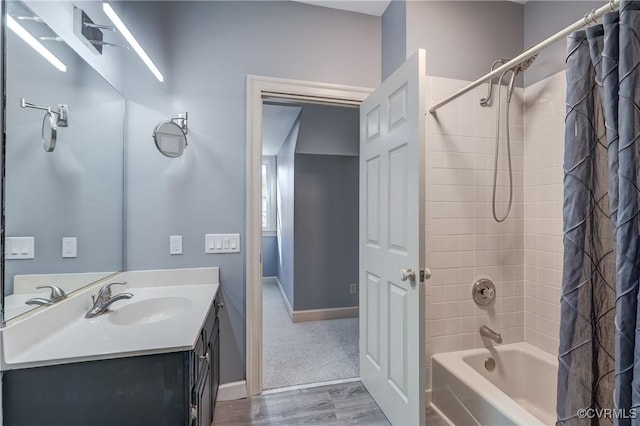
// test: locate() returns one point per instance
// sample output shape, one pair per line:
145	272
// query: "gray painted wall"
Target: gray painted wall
326	230
394	36
329	130
463	38
543	19
204	191
285	224
270	256
318	209
76	190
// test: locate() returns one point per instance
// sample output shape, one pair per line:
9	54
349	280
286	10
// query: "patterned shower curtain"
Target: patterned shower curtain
599	362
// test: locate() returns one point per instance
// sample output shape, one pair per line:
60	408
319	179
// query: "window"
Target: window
269	195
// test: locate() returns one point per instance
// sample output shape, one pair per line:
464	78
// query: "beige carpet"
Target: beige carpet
305	352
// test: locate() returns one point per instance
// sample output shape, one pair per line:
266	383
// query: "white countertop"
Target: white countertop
60	334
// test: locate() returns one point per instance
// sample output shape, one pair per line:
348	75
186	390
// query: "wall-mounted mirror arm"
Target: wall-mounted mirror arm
62	112
183	121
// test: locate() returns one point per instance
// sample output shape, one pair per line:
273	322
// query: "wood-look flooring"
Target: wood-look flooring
336	405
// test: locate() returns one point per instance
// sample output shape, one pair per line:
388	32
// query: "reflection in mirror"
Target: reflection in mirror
170	137
49	122
64	207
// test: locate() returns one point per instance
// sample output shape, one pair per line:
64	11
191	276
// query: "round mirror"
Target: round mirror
49	132
170	139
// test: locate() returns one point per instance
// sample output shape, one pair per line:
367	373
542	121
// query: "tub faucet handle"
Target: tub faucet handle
483	292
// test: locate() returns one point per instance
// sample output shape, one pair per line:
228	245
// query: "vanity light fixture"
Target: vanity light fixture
35	44
113	16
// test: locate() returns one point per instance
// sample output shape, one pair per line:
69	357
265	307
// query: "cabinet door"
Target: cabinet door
136	391
202	392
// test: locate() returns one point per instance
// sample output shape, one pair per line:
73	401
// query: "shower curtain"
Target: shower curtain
599	354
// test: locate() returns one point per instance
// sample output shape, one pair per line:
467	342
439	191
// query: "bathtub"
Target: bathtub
521	390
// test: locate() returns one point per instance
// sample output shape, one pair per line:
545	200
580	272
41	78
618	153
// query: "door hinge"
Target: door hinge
425	274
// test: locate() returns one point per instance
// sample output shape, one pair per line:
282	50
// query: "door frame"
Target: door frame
260	88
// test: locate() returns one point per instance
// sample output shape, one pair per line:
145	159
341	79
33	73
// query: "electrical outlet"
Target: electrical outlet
353	288
69	247
175	244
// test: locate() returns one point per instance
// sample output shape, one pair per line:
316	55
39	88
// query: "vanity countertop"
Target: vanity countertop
166	314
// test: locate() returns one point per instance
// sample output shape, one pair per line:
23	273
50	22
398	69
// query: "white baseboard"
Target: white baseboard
231	391
312	314
324	314
277	282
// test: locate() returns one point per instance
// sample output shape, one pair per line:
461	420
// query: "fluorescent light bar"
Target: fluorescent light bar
35	44
113	16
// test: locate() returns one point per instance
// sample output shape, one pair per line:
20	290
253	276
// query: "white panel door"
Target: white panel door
392	131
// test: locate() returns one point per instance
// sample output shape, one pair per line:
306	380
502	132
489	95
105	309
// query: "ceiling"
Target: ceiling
277	121
368	7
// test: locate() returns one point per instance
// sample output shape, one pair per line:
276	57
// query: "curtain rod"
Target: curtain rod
589	18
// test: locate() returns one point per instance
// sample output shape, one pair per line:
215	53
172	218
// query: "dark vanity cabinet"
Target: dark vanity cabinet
162	389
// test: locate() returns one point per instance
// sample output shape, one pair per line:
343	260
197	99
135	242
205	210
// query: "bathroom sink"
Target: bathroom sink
149	310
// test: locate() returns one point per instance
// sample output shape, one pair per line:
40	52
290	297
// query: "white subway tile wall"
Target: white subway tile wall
522	255
543	193
464	243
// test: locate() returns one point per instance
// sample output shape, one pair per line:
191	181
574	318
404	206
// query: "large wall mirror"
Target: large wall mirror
63	186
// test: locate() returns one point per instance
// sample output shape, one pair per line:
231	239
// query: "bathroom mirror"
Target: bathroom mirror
49	132
170	139
63	207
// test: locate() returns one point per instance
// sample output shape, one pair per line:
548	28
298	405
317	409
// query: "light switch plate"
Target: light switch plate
222	243
175	244
69	247
19	248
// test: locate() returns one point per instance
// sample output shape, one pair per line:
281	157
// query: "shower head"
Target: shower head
522	66
517	69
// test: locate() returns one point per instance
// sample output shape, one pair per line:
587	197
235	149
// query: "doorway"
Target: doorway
310	222
260	89
391	234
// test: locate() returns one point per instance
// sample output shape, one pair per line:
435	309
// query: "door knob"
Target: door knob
407	274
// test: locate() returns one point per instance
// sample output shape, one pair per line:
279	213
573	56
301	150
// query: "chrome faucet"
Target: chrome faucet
104	299
38	301
487	332
57	294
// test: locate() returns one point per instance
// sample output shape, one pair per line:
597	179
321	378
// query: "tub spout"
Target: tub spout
487	332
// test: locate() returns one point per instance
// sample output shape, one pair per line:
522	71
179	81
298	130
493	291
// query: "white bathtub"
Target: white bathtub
520	391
